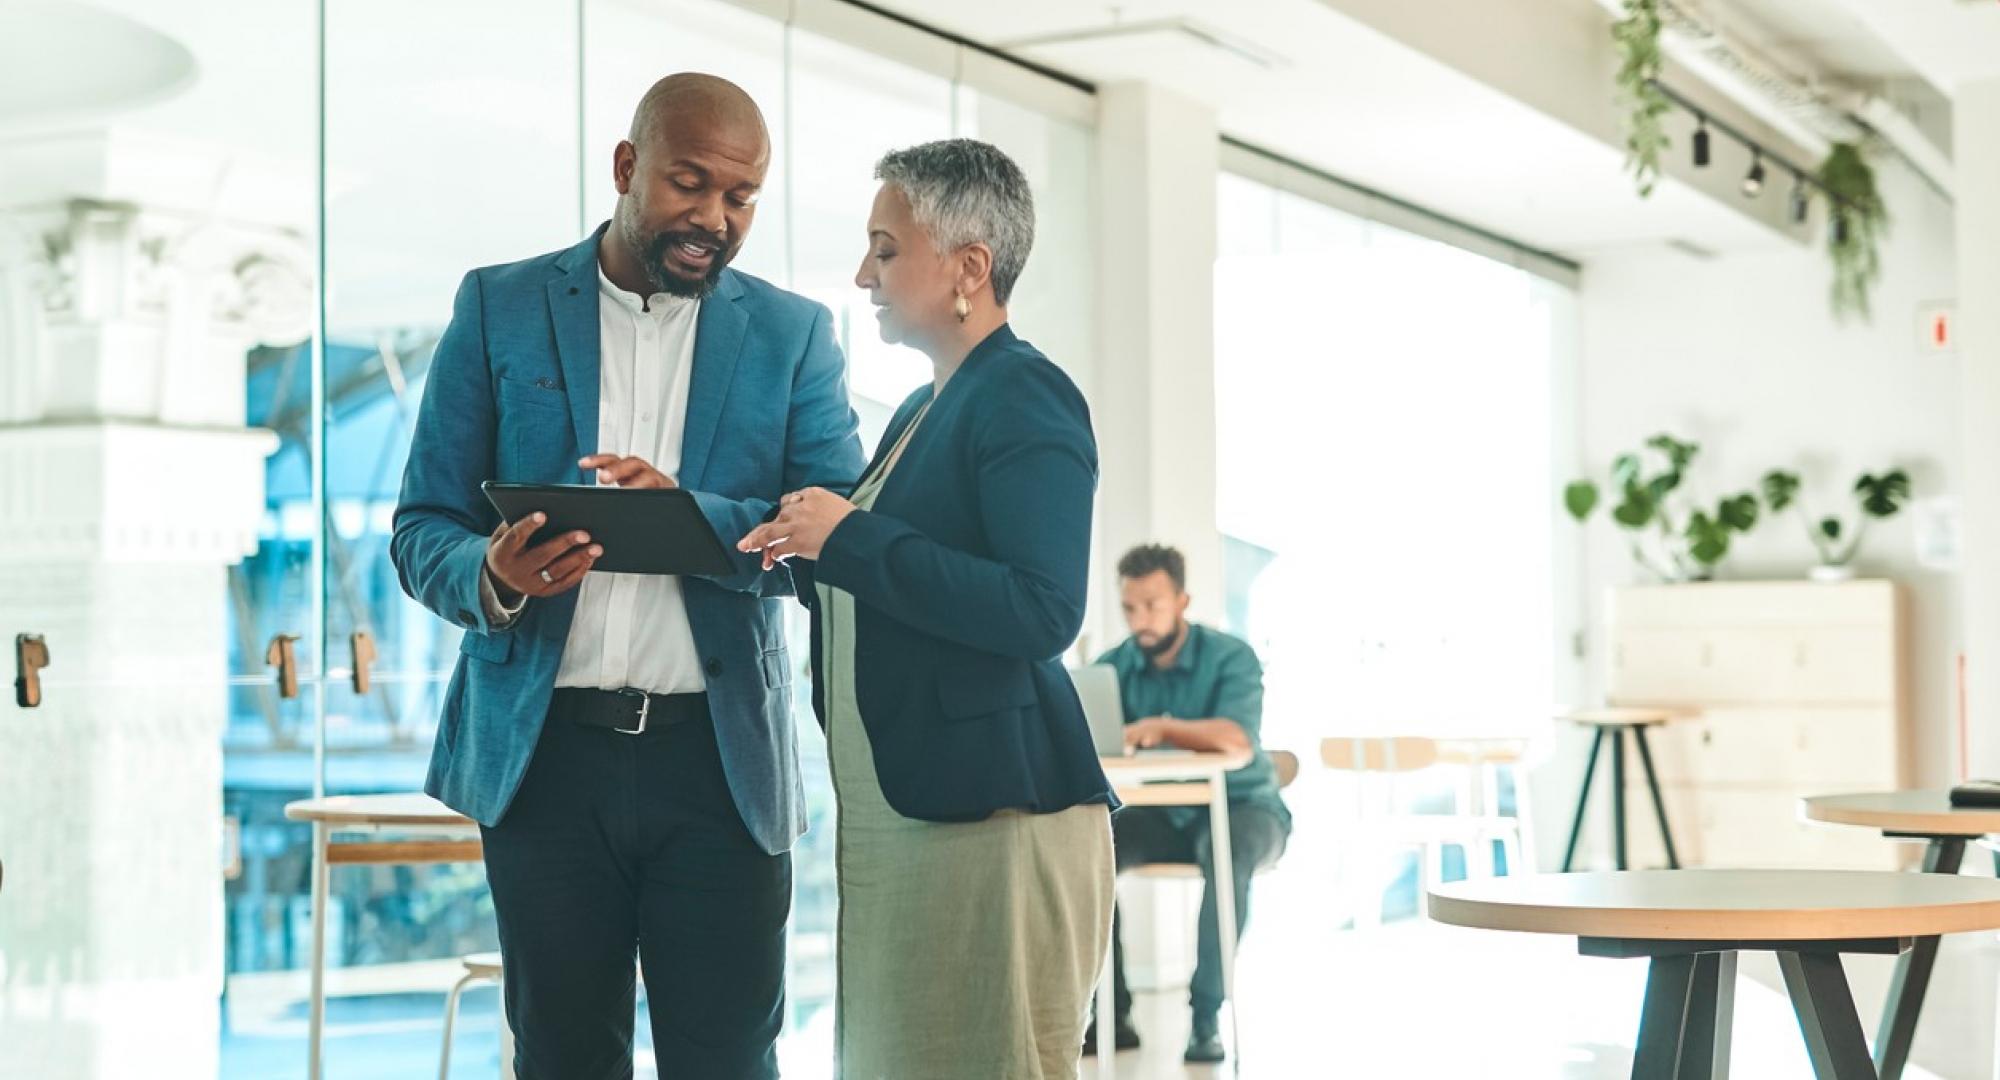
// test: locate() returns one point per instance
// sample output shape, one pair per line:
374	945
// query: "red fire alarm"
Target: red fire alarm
1935	330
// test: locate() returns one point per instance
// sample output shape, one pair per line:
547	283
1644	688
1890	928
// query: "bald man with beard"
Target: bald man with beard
625	741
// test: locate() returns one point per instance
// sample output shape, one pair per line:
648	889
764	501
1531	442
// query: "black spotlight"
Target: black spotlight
1801	201
1753	181
1701	144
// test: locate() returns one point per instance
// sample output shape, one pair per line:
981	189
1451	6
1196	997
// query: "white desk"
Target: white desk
400	829
1179	779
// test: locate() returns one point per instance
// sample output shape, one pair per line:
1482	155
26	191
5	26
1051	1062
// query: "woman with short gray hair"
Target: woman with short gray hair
974	843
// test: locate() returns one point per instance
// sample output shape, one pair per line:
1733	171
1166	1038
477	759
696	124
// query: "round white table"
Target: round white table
1908	815
1691	924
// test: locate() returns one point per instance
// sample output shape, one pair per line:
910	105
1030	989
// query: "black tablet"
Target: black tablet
642	530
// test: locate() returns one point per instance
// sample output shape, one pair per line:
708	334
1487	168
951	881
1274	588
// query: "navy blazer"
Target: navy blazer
969	577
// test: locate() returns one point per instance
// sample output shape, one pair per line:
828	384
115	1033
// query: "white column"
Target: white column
1155	388
128	485
1976	149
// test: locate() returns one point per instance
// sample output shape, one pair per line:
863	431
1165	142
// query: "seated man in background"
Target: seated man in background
1195	688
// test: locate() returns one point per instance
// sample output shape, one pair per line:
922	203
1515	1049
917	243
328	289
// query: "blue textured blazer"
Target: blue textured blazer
968	578
513	396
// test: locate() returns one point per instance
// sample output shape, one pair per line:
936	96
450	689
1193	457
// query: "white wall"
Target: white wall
1976	153
1741	354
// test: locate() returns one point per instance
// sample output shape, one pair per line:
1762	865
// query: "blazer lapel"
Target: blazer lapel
573	304
718	339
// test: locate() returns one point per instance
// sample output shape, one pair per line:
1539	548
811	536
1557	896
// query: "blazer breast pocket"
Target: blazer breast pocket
981	684
533	436
539	395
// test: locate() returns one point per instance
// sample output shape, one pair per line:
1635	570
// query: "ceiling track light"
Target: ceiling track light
1701	143
1753	181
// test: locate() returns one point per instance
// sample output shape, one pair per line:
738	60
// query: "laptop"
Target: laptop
1103	707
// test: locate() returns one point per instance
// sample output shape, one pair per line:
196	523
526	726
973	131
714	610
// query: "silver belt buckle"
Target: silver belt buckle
645	707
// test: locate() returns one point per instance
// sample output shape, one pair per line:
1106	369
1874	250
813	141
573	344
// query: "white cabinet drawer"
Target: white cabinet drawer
1734	665
1754	604
1808	749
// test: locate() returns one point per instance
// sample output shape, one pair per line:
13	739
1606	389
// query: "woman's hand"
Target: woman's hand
805	519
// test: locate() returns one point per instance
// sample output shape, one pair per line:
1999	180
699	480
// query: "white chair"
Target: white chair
479	968
1473	825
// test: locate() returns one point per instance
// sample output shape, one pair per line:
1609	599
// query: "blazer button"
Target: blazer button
465	617
714	667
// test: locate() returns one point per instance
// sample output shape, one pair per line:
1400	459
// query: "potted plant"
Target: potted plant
1875	497
1668	540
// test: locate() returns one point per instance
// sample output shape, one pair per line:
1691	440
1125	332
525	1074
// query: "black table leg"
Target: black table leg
1618	794
1825	1007
1582	798
1659	804
1663	1019
1898	1028
1711	1010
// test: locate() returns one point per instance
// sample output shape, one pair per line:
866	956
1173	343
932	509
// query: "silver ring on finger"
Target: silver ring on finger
547	579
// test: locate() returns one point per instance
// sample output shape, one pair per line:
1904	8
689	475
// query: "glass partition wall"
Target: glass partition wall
222	272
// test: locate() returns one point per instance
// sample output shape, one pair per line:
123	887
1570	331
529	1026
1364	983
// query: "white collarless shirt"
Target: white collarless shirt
631	630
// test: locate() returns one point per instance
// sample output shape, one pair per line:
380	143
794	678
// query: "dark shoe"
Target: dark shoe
1204	1044
1123	1035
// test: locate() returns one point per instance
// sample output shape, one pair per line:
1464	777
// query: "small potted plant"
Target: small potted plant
1875	497
1665	543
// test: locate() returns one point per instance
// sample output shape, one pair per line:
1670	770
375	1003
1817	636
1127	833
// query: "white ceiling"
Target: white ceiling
1948	42
1357	104
1822	34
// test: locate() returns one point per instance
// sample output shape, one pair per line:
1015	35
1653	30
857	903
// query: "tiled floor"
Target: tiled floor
1418	1000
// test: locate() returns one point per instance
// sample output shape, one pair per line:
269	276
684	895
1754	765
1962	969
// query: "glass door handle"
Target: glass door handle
31	655
283	655
363	645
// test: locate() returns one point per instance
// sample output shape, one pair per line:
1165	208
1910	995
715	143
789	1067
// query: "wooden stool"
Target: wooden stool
1614	723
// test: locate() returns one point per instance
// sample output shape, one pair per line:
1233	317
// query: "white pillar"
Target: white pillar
128	485
1976	150
1157	159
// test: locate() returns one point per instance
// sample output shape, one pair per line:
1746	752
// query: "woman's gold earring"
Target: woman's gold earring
963	309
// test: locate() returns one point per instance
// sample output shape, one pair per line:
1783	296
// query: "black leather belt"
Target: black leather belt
627	712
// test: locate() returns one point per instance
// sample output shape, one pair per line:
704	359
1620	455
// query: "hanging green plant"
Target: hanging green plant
1646	107
1857	221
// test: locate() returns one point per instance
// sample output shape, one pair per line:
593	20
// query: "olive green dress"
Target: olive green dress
965	949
